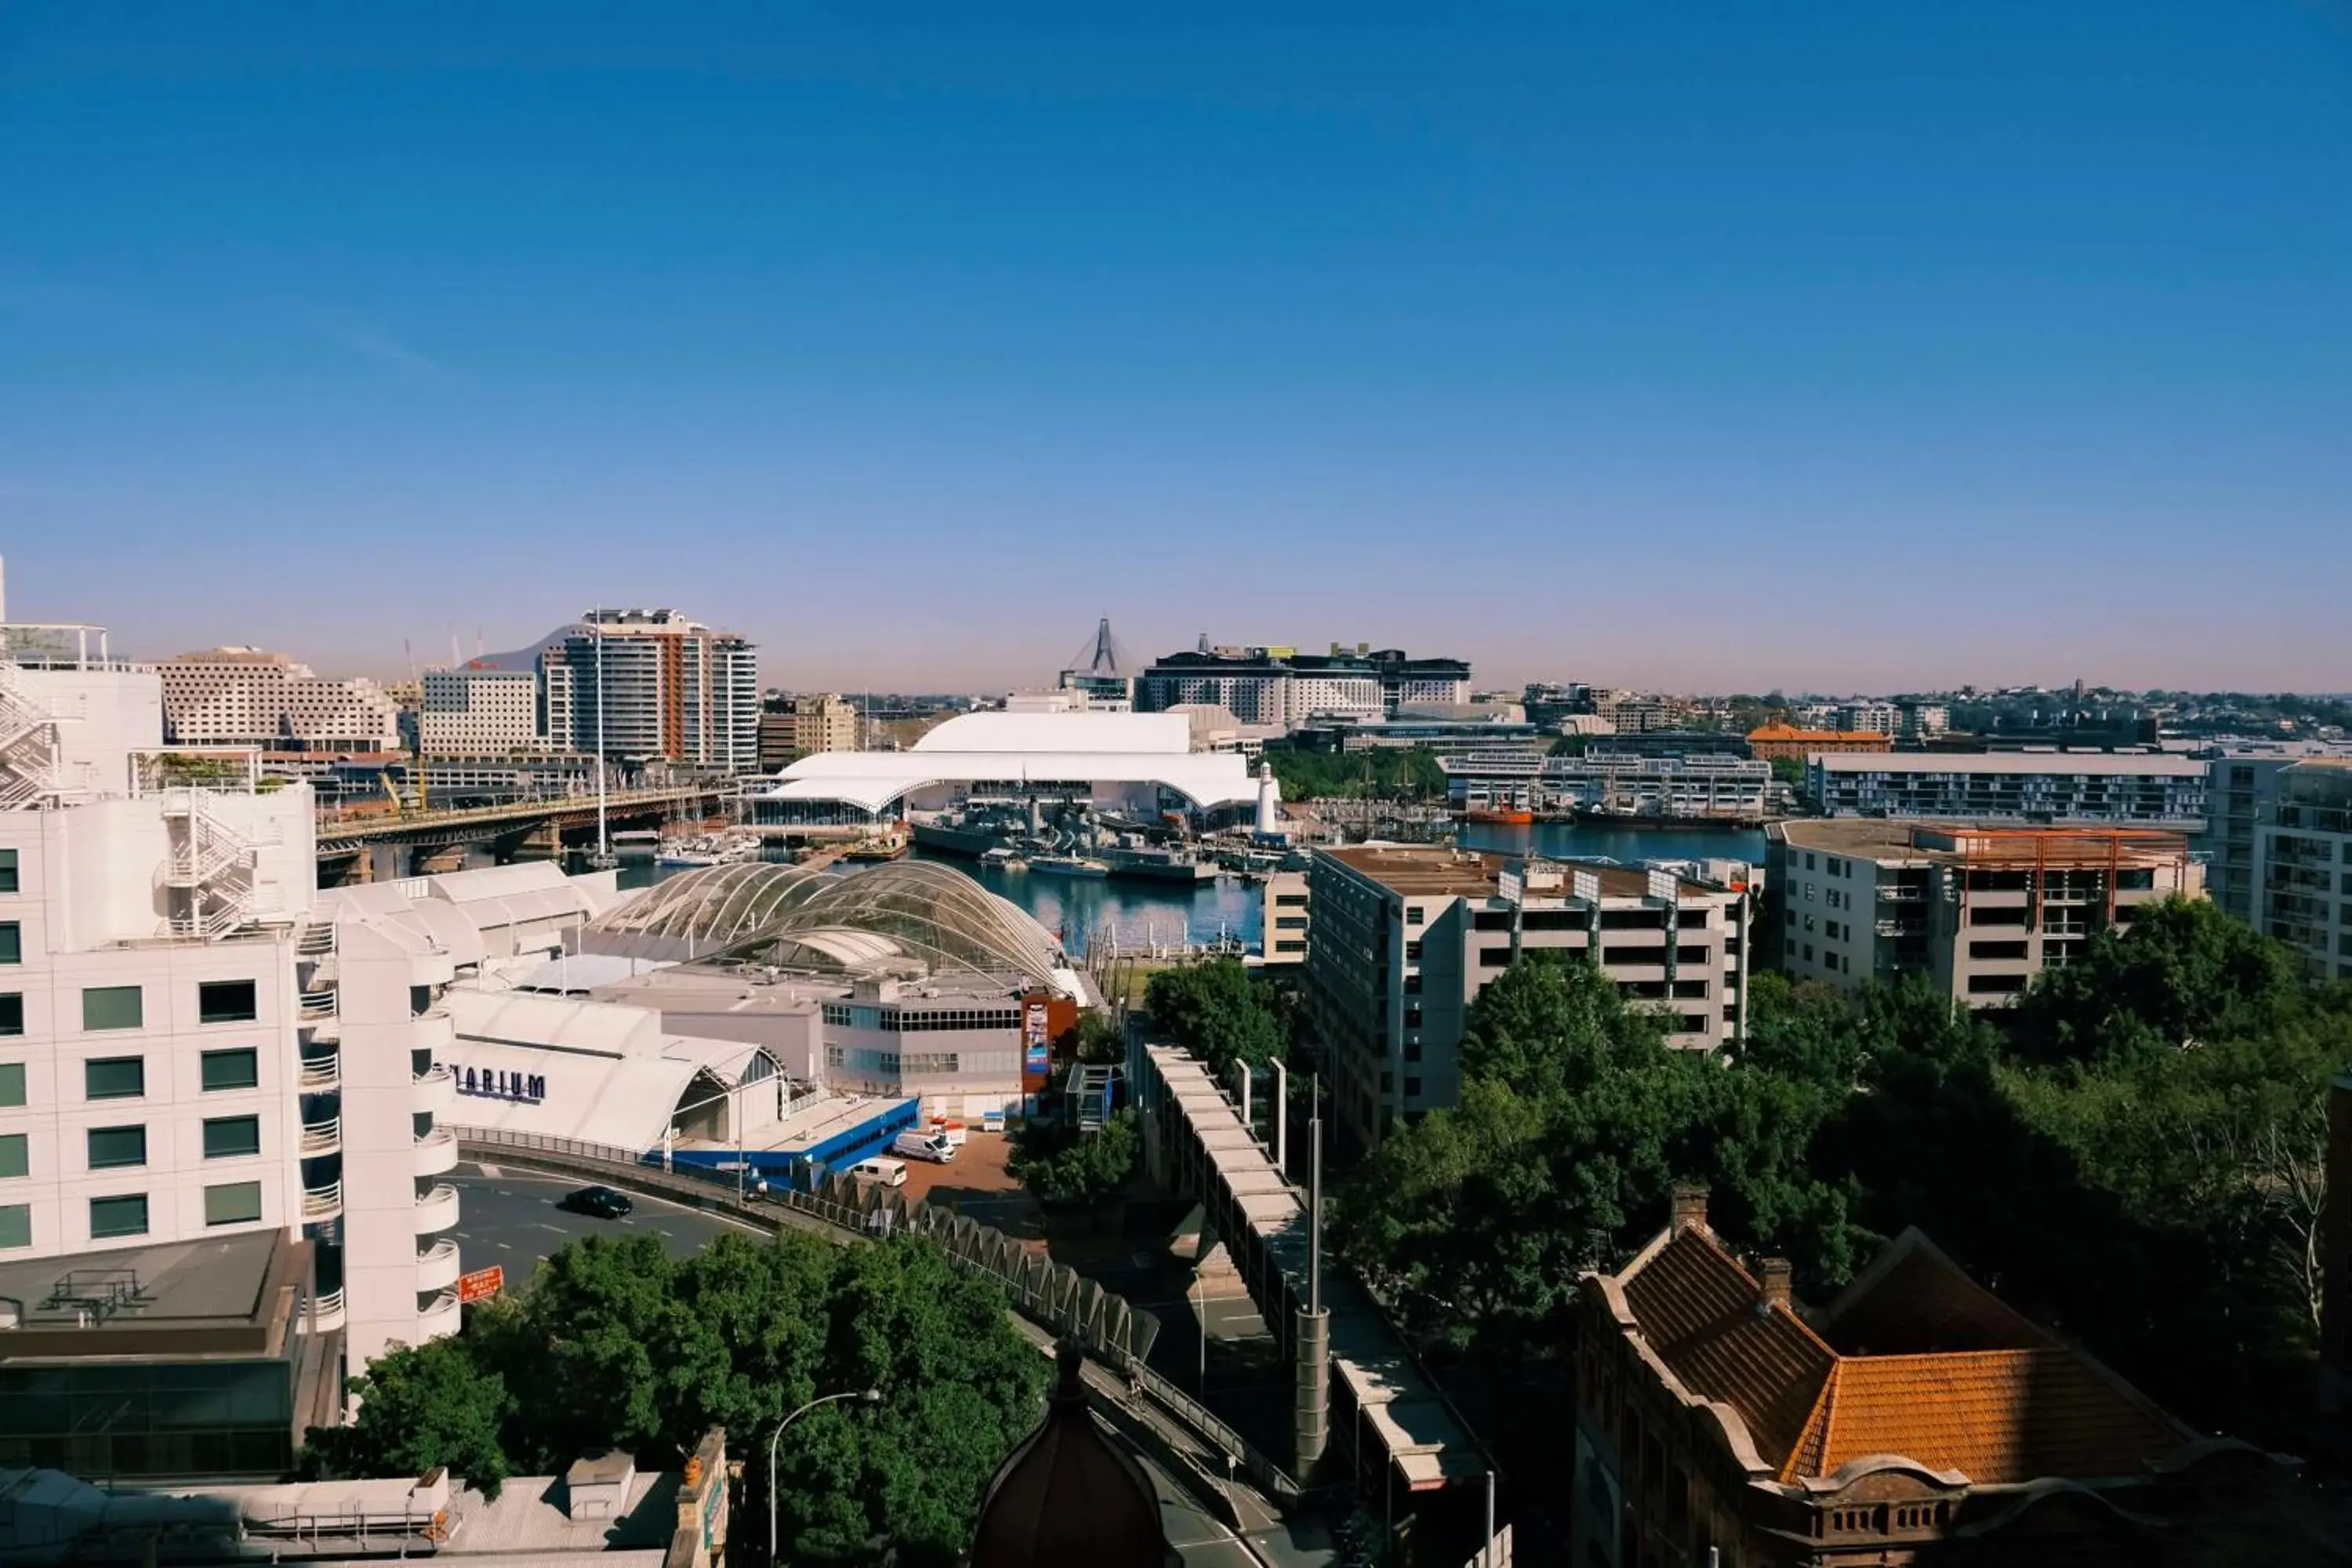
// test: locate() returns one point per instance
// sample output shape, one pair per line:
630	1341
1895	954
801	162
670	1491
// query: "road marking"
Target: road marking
491	1171
506	1246
541	1224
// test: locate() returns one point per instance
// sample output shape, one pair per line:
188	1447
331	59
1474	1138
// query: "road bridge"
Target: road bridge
1358	1386
525	827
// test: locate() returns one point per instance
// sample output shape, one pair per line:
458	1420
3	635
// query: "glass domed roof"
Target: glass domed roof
798	919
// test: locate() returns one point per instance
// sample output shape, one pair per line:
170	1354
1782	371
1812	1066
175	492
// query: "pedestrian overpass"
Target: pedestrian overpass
1356	1382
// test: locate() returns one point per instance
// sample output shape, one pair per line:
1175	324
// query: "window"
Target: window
1412	914
1412	1088
227	1137
112	1147
1809	861
12	1084
226	1002
1995	985
112	1007
14	1159
1997	949
233	1202
16	1224
1412	950
114	1077
12	943
7	871
1413	984
231	1069
12	1012
125	1215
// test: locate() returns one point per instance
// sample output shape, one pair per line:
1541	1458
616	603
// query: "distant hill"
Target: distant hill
526	657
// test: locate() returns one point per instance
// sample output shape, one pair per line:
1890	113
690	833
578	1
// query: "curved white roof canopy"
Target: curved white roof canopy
797	919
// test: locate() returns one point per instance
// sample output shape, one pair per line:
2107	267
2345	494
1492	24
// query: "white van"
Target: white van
889	1173
917	1144
949	1129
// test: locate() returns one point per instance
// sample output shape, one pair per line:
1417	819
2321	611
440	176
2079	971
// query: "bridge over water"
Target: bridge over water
538	827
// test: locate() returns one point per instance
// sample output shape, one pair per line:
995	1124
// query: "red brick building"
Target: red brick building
1916	1420
1774	740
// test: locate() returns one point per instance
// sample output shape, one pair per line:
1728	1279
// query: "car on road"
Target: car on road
889	1173
603	1202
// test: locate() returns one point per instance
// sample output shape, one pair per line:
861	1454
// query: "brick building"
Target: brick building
1916	1420
1773	741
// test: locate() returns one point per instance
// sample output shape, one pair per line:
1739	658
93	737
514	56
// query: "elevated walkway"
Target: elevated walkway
1392	1422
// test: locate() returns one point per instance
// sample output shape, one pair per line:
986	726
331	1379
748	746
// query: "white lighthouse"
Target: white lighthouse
1269	802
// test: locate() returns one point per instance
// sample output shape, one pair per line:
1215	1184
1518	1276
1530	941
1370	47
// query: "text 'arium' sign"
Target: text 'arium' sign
489	1083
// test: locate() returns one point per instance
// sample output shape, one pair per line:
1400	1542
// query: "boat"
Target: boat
1156	865
1003	859
1500	816
1068	865
707	849
892	845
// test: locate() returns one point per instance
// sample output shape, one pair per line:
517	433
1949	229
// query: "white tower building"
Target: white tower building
1269	801
192	1042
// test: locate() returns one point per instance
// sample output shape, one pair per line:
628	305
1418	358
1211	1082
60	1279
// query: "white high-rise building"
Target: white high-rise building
193	1042
478	712
652	685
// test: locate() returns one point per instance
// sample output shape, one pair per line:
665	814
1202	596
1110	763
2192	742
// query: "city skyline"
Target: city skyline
1794	349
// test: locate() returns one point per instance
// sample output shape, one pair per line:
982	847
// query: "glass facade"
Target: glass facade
221	1418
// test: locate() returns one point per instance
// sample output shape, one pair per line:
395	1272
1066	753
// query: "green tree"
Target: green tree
1058	1164
1216	1011
420	1408
620	1347
2183	973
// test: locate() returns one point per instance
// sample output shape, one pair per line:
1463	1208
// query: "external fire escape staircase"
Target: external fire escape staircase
30	775
210	869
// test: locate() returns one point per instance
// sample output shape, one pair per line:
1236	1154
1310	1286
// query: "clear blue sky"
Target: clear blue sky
1855	345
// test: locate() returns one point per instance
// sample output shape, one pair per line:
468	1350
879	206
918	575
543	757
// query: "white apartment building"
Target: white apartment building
192	1042
1609	784
478	712
1878	717
1404	937
1288	919
653	685
2145	789
1979	911
245	697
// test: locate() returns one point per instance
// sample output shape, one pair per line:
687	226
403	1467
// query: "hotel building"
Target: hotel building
652	685
1406	936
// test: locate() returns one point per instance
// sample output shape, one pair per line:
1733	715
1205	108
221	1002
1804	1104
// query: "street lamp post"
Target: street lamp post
869	1395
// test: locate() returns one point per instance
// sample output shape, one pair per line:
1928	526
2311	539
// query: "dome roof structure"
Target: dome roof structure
1070	1494
797	919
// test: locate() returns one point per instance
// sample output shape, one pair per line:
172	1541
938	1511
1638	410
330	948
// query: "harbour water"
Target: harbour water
1144	913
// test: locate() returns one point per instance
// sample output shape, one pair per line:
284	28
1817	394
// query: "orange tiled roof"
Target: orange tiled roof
1696	1306
1823	737
1994	1416
2012	1406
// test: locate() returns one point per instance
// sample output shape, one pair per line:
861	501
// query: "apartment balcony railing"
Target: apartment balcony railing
323	1072
433	1091
323	1138
437	1265
1898	893
325	1203
441	1317
437	1152
316	940
316	1006
436	1210
327	1310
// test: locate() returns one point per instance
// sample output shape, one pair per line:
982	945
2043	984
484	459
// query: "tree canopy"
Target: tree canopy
1216	1011
2132	1155
1059	1163
615	1344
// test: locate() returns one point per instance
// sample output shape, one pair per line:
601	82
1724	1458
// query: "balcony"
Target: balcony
437	1265
441	1318
437	1152
433	1031
327	1311
325	1203
435	1091
436	1210
321	1139
315	941
316	1007
321	1072
1901	893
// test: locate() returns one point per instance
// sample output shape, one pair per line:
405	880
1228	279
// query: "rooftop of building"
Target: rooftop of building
232	1294
1424	871
1790	732
2028	761
1915	1362
1930	841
